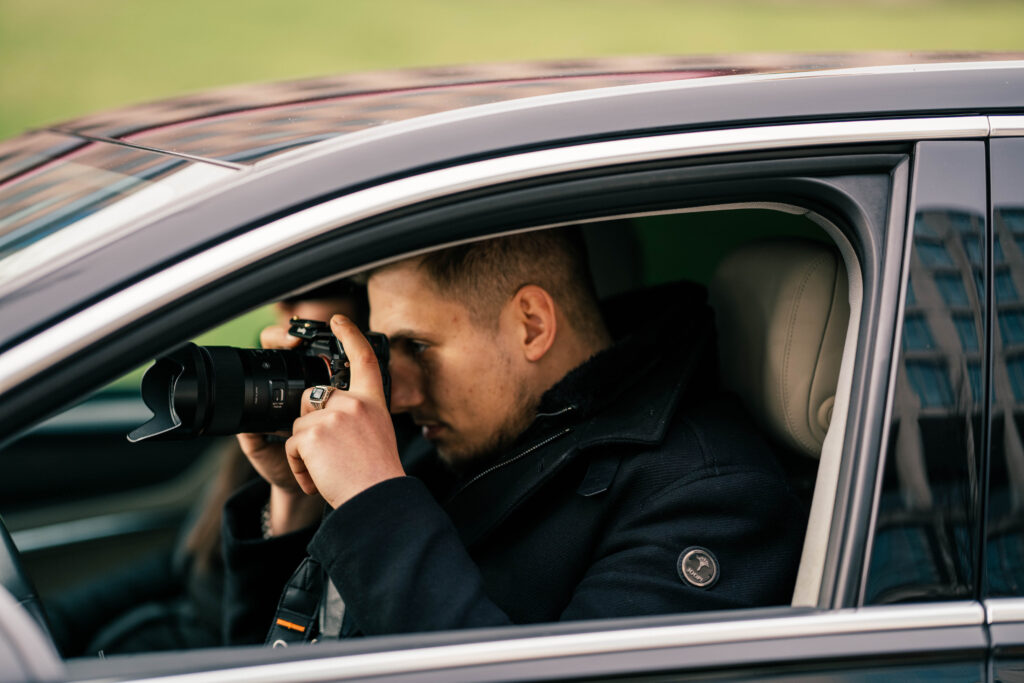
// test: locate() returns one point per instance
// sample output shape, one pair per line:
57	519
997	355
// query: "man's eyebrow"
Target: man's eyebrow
404	334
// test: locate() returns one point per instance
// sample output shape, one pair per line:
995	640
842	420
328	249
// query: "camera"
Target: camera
218	390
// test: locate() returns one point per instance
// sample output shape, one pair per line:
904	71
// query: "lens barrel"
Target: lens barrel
219	390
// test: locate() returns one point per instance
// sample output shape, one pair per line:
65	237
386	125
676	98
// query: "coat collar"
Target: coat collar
627	394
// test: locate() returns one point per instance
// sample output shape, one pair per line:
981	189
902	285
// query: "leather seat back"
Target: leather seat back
781	310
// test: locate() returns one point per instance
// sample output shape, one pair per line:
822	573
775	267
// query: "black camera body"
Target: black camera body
218	390
319	342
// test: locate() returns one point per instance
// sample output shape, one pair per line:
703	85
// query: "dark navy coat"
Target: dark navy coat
633	460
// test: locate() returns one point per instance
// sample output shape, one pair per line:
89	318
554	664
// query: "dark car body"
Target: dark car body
125	233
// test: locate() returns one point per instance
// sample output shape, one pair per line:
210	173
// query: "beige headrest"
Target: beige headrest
781	310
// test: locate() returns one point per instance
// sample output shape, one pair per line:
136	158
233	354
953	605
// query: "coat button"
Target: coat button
698	567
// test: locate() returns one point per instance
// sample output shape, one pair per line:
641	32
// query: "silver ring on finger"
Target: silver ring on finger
318	397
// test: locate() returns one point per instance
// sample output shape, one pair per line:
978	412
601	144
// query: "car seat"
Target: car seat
782	309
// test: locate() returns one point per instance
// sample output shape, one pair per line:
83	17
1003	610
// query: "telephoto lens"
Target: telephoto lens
219	390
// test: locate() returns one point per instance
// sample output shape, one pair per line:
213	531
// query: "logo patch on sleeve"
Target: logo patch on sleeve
698	567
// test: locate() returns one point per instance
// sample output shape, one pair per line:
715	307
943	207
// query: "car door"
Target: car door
859	189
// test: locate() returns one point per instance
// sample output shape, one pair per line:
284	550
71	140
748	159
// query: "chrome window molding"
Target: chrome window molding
890	385
1006	126
91	325
1004	610
871	620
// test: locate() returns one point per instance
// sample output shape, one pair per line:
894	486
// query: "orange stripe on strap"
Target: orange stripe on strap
290	625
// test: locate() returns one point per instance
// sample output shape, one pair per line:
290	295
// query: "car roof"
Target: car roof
255	122
223	196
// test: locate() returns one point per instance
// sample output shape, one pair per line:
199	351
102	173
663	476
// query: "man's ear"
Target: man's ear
533	314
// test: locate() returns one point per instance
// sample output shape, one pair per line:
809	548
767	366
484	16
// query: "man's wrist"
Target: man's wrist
287	511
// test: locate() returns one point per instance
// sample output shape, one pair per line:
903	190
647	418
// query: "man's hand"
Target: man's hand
349	445
290	508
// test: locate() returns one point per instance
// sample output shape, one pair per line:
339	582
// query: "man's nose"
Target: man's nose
406	385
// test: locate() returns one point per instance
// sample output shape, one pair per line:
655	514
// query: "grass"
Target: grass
64	58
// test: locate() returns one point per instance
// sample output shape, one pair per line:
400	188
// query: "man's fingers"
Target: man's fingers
306	407
364	372
298	467
277	337
251	442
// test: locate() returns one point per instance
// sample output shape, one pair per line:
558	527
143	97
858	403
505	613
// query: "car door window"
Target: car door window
1004	540
926	531
1005	523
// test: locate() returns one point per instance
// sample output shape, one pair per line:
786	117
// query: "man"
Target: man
580	479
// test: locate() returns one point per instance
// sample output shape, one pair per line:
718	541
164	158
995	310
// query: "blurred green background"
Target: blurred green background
64	58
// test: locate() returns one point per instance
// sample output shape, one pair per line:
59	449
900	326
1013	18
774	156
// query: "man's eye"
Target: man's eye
417	348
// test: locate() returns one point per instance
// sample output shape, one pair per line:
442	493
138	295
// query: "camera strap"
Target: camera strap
298	610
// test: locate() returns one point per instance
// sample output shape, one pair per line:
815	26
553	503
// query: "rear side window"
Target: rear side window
1004	557
926	536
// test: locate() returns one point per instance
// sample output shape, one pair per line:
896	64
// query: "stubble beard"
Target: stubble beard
476	458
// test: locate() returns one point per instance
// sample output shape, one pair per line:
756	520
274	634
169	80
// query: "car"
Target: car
859	224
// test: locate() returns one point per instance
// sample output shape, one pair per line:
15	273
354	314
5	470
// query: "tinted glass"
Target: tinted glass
33	150
61	207
1005	523
926	535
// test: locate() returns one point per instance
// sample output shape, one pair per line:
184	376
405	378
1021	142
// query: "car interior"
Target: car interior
85	504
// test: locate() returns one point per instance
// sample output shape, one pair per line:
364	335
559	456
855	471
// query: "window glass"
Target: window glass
1004	557
964	221
975	251
925	544
1005	289
1009	217
967	330
916	335
951	287
1015	374
57	211
975	377
1011	326
933	254
931	383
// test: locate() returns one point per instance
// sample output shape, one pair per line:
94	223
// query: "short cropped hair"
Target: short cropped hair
484	275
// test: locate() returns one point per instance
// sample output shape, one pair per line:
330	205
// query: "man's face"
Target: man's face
461	382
